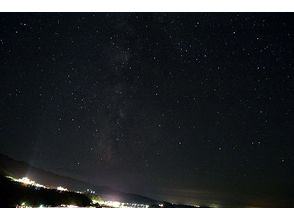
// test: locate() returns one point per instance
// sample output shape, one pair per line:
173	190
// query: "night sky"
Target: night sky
187	107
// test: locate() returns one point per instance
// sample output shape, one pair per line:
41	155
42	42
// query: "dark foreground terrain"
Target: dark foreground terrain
16	194
13	194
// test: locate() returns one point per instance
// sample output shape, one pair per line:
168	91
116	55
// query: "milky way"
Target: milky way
187	107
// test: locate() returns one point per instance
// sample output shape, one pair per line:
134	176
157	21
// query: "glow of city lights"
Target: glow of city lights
116	204
23	205
60	188
69	206
113	204
26	181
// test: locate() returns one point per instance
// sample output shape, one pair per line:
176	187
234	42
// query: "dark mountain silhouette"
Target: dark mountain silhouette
18	169
14	194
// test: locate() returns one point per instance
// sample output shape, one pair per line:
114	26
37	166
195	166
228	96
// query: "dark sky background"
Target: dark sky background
187	107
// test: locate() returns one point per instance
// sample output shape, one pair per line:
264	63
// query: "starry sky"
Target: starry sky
186	107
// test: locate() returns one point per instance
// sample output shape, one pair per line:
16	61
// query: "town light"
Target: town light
60	188
26	181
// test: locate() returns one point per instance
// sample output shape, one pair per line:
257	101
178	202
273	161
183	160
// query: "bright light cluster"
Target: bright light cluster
116	204
27	205
27	181
23	205
60	188
95	201
68	206
91	191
